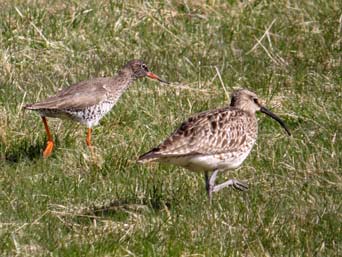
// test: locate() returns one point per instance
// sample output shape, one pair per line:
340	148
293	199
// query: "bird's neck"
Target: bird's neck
251	114
254	122
120	83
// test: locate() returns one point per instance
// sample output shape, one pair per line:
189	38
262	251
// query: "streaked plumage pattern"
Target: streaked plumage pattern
215	140
222	134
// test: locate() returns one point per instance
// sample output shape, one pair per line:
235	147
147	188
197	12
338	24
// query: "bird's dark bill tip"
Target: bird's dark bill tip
275	117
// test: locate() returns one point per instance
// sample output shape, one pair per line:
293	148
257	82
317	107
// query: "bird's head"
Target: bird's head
139	69
248	101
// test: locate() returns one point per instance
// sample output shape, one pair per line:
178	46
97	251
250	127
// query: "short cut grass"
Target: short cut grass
288	52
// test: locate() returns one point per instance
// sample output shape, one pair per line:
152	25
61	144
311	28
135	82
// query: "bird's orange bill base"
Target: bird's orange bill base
154	76
49	146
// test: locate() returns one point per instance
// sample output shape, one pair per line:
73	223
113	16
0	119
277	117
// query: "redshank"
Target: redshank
88	101
215	140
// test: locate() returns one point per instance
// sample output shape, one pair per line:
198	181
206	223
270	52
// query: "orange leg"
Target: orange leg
48	150
88	140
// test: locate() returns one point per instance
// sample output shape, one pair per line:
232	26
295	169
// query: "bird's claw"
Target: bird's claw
241	186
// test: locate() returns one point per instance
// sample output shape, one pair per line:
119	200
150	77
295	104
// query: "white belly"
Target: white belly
224	161
91	116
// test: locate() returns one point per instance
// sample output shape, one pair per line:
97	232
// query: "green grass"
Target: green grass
69	206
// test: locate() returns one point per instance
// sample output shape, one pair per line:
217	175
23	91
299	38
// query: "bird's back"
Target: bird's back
77	96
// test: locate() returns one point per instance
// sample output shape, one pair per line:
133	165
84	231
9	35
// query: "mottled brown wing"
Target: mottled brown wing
211	132
77	96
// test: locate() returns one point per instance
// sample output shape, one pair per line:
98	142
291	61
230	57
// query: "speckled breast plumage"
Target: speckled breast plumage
89	116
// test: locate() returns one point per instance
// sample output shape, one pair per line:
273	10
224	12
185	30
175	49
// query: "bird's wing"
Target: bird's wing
211	132
77	96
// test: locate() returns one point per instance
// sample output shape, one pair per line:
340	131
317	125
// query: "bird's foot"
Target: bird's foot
94	157
92	151
48	149
236	184
211	187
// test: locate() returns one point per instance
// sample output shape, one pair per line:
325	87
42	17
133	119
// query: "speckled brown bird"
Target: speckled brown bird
88	101
215	140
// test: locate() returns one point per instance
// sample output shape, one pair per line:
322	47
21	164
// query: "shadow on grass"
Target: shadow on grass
112	208
23	151
118	210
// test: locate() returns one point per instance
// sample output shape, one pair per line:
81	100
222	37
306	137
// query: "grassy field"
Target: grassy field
288	52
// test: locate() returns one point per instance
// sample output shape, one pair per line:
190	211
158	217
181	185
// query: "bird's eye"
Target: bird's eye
144	66
255	100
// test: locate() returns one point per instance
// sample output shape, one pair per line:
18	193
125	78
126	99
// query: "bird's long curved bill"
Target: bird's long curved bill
154	76
275	117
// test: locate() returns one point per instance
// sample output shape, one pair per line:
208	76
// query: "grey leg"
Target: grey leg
207	187
210	183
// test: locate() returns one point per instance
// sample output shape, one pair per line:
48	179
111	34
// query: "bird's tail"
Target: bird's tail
29	107
150	156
